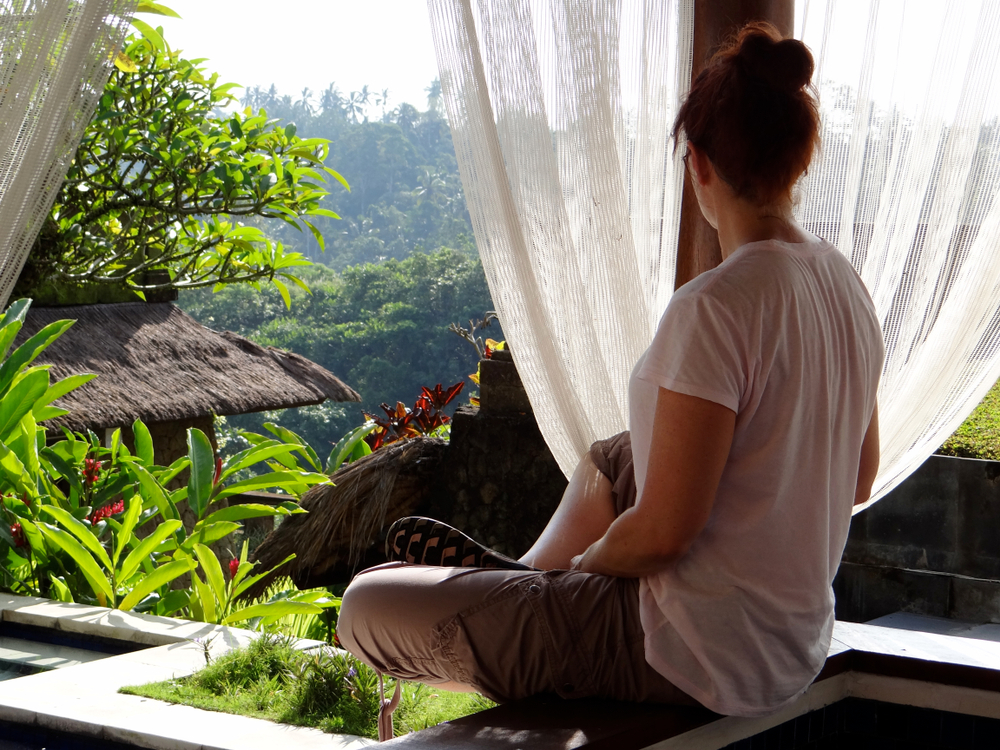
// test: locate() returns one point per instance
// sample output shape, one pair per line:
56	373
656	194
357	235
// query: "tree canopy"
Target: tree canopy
163	180
406	194
381	327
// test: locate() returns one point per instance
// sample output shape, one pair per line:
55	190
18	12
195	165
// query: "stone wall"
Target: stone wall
498	482
931	546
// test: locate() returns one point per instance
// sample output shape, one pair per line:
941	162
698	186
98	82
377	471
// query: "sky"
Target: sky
385	44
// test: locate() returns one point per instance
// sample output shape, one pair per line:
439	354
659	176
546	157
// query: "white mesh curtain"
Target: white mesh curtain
561	109
906	186
55	57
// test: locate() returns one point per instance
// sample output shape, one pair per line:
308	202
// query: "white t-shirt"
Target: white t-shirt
786	336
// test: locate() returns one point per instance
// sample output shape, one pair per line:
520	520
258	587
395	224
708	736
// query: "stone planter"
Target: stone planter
932	546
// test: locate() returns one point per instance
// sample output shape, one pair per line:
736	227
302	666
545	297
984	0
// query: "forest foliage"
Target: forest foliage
381	327
406	193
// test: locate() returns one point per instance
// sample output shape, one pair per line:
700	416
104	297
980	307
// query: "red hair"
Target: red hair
752	113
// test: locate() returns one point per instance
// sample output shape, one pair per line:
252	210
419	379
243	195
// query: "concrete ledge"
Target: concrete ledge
926	670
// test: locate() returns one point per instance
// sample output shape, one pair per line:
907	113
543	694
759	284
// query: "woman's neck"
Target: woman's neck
741	222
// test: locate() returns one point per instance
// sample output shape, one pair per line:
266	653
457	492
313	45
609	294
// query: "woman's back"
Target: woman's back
785	335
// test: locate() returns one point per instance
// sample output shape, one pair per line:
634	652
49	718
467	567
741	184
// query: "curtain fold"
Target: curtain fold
561	111
55	57
906	185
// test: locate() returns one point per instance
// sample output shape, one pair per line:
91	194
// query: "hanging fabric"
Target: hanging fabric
906	185
55	57
561	111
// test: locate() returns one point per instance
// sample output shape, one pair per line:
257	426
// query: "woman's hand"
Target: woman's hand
689	448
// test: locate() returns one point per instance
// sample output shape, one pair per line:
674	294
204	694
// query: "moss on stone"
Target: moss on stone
979	435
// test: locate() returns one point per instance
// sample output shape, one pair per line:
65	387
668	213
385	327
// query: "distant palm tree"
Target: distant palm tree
306	102
434	103
331	100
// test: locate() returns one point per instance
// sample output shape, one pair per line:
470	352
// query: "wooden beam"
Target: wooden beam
714	20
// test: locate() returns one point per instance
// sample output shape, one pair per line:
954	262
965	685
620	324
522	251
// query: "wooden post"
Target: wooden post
714	20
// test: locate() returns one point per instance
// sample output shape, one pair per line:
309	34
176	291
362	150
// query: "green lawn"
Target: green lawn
325	689
979	435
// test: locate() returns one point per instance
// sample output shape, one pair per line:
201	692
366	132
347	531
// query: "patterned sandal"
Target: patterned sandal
424	541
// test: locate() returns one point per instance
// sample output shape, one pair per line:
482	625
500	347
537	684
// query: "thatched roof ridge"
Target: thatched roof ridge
157	363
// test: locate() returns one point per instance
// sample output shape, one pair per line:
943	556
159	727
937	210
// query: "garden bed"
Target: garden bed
319	687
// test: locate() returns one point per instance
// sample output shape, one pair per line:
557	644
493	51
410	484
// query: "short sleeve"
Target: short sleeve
698	350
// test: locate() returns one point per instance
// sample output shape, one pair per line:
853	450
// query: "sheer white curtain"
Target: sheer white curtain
55	57
561	110
906	186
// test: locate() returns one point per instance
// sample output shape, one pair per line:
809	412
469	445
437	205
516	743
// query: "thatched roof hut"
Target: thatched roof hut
157	363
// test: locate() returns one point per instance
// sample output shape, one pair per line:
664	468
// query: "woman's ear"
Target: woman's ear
699	165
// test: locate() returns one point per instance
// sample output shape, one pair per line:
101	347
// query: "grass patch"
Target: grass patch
979	435
320	688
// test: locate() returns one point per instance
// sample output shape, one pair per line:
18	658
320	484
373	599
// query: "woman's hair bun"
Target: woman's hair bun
784	64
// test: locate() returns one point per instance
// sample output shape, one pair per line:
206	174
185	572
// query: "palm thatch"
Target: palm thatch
156	363
346	516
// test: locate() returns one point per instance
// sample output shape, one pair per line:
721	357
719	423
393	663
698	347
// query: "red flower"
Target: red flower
91	469
234	565
18	533
218	471
106	511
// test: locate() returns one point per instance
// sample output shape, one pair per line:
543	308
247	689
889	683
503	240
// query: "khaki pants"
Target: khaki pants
509	634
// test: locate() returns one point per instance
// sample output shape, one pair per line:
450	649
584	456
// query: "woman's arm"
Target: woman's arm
690	445
868	468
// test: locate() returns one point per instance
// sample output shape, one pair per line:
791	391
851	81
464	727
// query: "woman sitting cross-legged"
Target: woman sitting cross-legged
691	559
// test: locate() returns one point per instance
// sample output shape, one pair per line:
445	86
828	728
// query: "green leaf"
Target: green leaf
242	512
290	130
175	600
25	354
14	471
81	531
244	584
209	533
150	34
133	507
338	177
145	548
213	571
205	598
283	291
202	471
255	454
20	399
152	490
145	6
88	567
273	609
274	479
62	592
63	469
11	322
345	447
143	442
62	387
159	577
286	435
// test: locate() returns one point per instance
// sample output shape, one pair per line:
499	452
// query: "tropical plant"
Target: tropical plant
425	418
94	523
162	180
